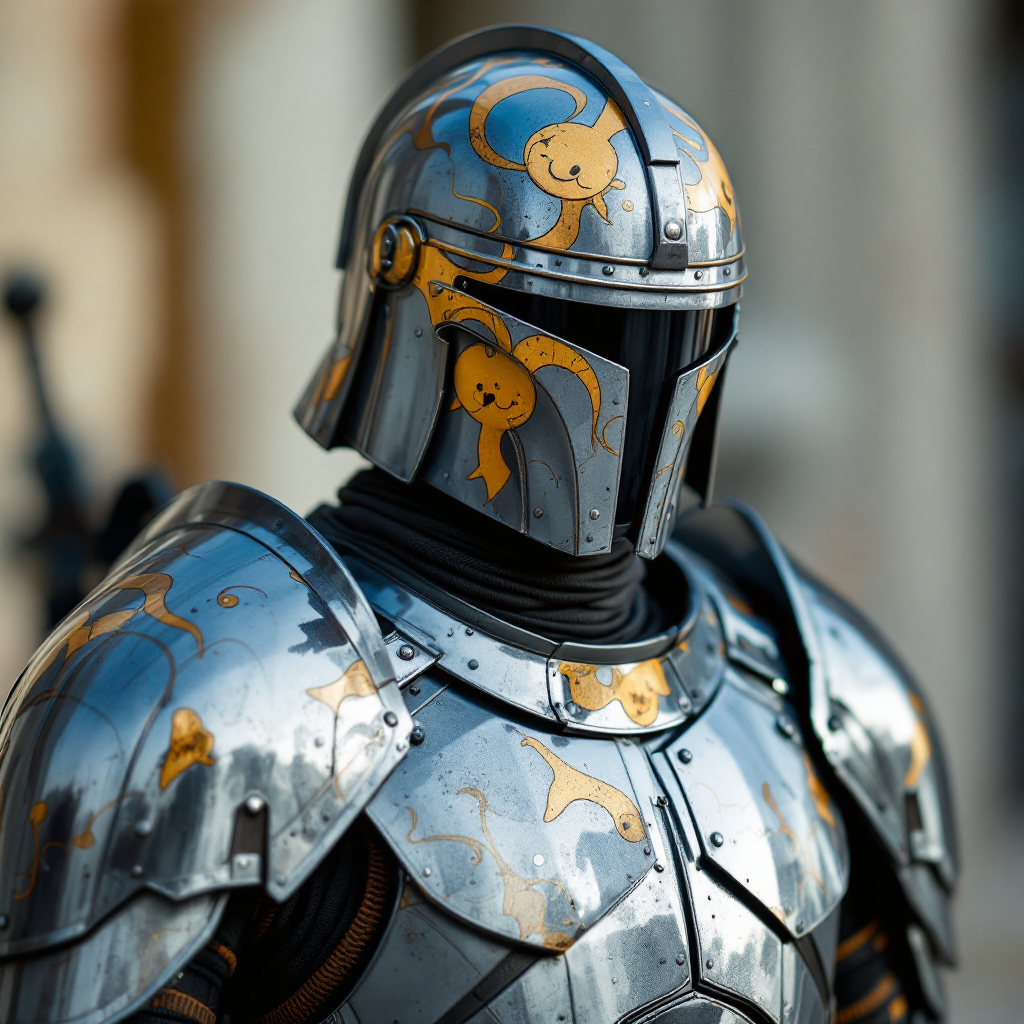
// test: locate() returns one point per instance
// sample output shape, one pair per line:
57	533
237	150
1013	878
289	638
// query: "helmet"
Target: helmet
542	262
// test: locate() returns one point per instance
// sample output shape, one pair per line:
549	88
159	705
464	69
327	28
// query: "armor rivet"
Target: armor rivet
590	538
136	871
595	513
4	920
417	736
473	664
662	800
607	270
469	632
390	718
243	862
717	839
711	963
143	828
685	756
727	271
538	513
538	860
644	271
319	741
680	959
696	694
254	804
418	332
426	872
698	274
278	523
615	981
673	230
799	927
647	851
625	824
414	690
659	867
280	879
834	724
785	726
406	653
400	746
780	686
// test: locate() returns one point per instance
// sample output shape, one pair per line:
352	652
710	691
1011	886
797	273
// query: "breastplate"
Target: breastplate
591	835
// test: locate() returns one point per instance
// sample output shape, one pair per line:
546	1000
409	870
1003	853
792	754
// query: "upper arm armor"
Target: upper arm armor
870	719
213	716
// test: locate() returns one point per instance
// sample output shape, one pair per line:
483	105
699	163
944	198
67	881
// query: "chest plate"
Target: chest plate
690	877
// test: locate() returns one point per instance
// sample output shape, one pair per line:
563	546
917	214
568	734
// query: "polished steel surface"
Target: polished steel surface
426	963
751	779
545	166
228	663
115	969
529	836
692	389
625	689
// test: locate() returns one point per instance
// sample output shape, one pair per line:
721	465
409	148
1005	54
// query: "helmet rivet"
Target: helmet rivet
406	652
538	513
254	804
595	514
727	271
673	230
698	274
390	718
607	270
645	271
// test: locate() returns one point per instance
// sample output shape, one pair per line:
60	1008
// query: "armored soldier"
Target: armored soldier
525	729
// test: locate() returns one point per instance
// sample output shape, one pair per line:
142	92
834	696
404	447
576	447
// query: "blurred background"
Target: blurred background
175	170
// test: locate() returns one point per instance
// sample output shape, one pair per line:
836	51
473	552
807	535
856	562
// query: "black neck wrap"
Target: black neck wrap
414	530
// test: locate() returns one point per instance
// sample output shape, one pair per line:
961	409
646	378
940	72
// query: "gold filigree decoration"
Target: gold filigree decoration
190	744
705	383
569	785
574	162
799	849
356	682
637	690
521	900
920	745
85	839
36	816
714	190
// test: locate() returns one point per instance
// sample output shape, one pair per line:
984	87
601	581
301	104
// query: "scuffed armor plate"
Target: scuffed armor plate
527	835
762	814
213	715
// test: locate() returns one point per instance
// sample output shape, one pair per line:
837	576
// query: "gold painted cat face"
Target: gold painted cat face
571	161
493	388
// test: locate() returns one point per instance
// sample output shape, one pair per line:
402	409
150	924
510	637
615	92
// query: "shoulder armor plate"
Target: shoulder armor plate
213	715
869	717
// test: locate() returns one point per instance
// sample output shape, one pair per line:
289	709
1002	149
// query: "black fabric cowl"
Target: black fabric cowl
415	532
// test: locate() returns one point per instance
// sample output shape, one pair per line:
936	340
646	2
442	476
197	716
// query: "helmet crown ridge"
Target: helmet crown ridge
514	162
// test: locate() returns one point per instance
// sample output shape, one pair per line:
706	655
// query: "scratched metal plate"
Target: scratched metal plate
528	835
206	669
761	812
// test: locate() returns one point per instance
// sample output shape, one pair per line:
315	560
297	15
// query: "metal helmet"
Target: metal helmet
542	261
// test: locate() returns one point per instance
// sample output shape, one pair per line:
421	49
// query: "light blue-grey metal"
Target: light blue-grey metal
115	969
624	690
750	781
488	817
558	478
873	727
212	716
514	912
540	163
692	389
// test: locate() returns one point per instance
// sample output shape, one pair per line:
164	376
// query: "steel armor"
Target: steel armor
542	262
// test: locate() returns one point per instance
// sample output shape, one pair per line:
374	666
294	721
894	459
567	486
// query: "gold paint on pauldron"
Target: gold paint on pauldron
920	745
569	785
190	744
785	829
36	816
637	690
521	901
705	382
819	795
356	682
573	162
